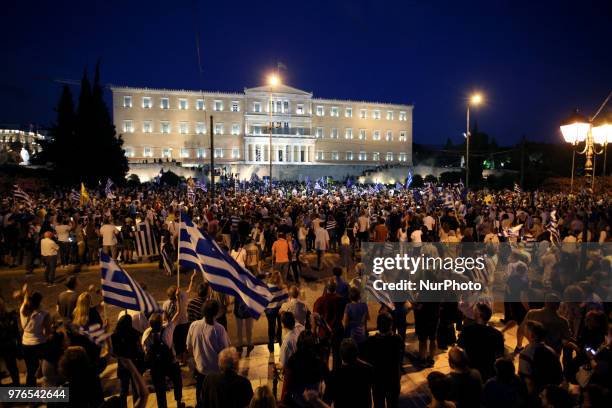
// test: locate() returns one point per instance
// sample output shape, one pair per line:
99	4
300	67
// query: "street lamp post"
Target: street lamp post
577	129
475	100
273	80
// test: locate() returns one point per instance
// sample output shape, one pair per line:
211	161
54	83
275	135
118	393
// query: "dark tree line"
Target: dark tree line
84	146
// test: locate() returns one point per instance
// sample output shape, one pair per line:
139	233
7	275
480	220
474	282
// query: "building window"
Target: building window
389	156
334	112
363	114
348	133
299	109
348	112
334	133
127	101
200	128
257	107
235	153
285	106
375	156
183	128
128	126
164	103
376	115
218	128
200	153
129	152
147	126
402	115
389	136
164	127
218	106
389	115
257	153
147	102
402	136
376	135
166	152
200	105
235	106
319	133
334	155
349	155
362	134
147	151
363	156
184	152
218	152
403	157
182	104
320	155
320	111
235	129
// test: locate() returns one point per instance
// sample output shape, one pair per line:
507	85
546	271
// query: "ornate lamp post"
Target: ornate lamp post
475	100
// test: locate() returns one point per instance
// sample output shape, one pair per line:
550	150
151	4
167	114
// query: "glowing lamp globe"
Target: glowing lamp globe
602	133
575	128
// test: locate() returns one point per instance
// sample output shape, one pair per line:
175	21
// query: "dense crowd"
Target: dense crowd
327	355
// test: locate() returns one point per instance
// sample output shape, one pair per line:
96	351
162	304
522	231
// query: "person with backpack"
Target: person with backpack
539	365
159	357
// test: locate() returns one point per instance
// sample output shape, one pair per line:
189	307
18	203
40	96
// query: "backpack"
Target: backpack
159	354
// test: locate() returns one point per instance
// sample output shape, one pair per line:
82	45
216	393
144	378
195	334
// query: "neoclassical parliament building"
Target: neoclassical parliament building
310	136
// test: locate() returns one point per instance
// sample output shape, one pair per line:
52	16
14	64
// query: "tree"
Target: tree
133	180
59	150
417	181
450	177
170	178
430	178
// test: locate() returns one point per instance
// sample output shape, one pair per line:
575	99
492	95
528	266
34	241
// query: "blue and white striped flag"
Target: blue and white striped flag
199	251
146	243
19	194
108	189
95	332
75	195
119	289
408	180
190	193
279	296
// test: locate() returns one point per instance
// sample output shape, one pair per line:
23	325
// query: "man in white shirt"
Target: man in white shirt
205	340
62	230
429	222
364	227
290	338
109	238
48	252
321	243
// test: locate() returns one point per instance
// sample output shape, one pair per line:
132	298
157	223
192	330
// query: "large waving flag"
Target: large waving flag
119	289
197	250
408	180
108	189
19	194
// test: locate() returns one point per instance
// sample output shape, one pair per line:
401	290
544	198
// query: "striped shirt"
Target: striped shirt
194	309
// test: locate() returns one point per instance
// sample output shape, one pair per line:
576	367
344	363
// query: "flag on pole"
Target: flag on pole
398	185
19	194
84	198
517	188
553	228
108	189
197	250
408	180
146	244
119	289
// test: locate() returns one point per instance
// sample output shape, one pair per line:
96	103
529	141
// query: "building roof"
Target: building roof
282	88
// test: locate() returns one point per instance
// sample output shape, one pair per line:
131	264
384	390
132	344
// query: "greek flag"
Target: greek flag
95	332
146	244
279	296
75	196
19	194
119	289
190	193
200	186
199	251
107	189
517	188
553	228
398	185
408	180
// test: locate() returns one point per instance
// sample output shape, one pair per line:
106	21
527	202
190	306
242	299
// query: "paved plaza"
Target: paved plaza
258	366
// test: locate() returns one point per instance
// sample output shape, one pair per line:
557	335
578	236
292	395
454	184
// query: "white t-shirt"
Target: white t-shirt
416	235
429	222
109	235
63	232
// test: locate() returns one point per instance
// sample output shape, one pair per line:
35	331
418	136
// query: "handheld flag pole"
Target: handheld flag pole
178	255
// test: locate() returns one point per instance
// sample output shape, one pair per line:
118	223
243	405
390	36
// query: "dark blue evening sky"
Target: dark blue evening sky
533	60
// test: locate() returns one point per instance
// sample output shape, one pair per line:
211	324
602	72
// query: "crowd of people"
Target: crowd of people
327	355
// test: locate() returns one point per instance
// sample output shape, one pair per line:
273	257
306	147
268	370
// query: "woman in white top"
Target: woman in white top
36	326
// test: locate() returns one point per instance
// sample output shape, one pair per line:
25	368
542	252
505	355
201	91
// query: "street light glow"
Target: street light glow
476	99
273	80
